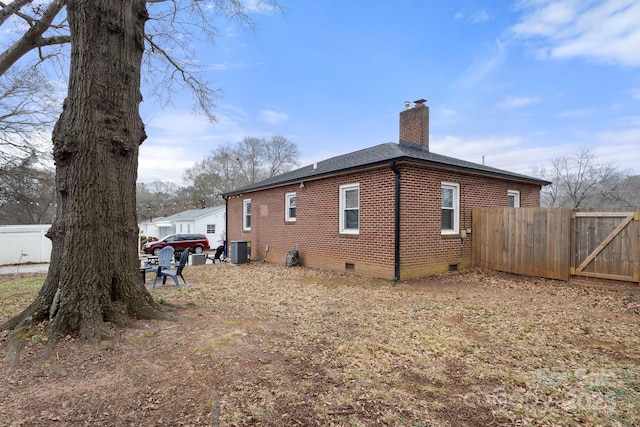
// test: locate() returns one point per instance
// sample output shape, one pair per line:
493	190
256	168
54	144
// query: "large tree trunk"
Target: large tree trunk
94	263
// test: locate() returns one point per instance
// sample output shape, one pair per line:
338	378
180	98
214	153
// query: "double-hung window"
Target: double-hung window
350	209
450	208
290	207
246	214
513	198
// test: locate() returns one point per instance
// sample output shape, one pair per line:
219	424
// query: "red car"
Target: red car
196	243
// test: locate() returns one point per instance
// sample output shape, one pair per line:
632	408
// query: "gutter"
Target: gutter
396	226
226	226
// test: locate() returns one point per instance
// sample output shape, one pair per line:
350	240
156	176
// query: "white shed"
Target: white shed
21	244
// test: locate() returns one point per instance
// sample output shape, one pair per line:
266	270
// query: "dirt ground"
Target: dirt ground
260	344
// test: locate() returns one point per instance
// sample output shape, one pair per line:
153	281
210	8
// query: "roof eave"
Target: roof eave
478	172
314	177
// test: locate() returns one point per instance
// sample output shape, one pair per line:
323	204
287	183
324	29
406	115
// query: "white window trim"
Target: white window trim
516	197
456	207
245	202
287	206
343	190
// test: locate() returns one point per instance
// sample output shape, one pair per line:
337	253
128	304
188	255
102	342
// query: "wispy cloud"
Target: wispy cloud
185	138
153	164
272	117
604	31
516	102
223	66
635	93
609	144
178	122
249	6
473	149
260	6
572	114
629	121
480	16
511	153
448	112
483	64
475	17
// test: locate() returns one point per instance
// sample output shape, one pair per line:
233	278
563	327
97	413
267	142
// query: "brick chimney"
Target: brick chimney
414	124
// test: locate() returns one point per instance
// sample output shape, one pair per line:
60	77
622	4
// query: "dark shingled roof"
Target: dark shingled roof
380	155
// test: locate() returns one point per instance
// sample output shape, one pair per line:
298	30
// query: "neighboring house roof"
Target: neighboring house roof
192	214
380	155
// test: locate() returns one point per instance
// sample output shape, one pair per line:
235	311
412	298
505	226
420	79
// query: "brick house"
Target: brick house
394	211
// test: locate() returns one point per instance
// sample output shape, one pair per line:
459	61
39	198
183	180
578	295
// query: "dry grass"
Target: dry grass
17	292
259	344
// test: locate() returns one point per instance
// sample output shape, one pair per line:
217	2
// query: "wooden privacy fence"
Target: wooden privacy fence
558	242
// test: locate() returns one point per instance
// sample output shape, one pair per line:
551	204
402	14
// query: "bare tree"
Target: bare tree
232	166
549	193
630	191
578	180
621	190
281	155
27	193
259	158
28	108
93	276
204	188
249	154
157	199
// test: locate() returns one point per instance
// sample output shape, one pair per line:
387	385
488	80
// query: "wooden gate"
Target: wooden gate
557	243
605	245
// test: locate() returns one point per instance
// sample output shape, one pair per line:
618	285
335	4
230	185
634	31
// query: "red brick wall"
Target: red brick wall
414	125
424	250
315	233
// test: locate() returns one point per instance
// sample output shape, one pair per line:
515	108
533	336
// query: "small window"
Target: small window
513	198
450	208
246	214
211	229
350	208
290	207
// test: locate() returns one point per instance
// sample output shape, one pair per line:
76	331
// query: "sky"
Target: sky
512	83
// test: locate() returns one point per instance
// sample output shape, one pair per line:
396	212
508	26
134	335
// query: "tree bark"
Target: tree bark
94	266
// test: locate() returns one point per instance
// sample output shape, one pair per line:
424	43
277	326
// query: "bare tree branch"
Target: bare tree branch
176	70
12	8
203	94
31	37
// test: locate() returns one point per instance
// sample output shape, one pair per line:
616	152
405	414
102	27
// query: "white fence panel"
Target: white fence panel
20	244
